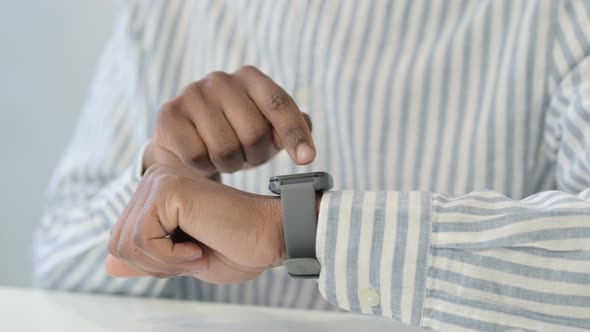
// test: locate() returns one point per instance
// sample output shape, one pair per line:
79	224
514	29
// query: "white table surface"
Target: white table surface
47	311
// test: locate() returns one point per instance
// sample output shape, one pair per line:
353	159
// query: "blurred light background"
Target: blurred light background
48	51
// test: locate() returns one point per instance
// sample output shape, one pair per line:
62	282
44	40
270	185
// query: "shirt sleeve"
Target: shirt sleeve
97	177
480	261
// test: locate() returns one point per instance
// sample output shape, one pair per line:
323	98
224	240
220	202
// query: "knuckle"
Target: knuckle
279	101
216	78
168	109
256	138
193	91
165	121
202	163
226	152
197	156
175	202
192	87
247	69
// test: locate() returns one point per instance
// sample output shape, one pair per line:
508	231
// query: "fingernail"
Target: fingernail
304	153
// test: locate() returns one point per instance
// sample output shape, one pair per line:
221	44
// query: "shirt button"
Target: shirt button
369	297
302	96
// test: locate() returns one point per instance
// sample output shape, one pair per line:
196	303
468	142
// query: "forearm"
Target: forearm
72	240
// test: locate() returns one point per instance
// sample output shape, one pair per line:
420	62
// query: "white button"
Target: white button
302	96
369	297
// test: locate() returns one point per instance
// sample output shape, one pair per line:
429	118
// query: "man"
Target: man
457	134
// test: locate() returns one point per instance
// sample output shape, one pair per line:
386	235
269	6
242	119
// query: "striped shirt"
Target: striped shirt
457	133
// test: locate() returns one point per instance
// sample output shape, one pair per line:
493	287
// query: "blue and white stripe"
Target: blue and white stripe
457	132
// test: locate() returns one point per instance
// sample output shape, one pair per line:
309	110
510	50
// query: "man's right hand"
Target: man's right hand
227	122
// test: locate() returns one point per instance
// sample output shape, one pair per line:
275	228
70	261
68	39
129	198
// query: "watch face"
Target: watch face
322	181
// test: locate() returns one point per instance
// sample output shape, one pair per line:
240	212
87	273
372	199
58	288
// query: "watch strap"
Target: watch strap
303	268
299	227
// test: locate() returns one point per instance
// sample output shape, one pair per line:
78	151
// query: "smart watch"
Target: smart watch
298	199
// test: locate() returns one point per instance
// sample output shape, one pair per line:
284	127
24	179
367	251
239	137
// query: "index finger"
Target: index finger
282	113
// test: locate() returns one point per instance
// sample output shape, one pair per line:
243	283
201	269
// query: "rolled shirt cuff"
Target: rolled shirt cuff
374	251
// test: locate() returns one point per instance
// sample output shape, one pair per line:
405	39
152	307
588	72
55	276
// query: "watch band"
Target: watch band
300	225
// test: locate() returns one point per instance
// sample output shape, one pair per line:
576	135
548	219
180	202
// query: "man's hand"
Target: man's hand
233	235
227	122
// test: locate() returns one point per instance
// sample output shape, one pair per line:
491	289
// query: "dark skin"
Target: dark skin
179	222
228	122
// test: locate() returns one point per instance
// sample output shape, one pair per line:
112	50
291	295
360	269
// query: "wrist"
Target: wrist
273	222
273	216
153	155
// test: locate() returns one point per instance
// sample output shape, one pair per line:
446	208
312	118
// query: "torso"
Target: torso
404	95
